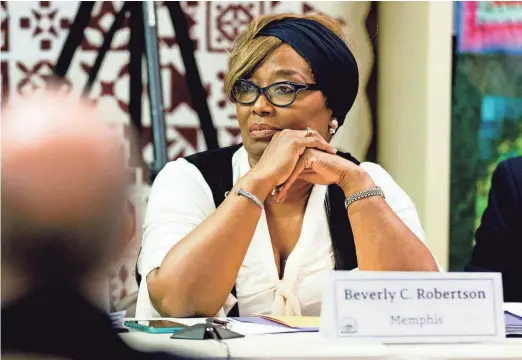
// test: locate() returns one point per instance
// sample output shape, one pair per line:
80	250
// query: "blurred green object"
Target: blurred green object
486	128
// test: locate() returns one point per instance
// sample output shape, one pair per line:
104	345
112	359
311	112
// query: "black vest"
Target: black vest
216	168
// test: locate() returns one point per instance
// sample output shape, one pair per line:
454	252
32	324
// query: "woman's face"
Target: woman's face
308	109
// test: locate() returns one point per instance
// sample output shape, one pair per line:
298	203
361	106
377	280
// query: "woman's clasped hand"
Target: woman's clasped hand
304	155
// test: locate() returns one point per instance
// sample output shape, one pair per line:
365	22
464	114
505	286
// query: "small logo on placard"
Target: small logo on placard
348	325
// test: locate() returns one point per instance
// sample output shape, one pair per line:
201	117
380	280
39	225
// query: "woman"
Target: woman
293	80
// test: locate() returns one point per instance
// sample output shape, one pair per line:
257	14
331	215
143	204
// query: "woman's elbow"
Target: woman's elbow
171	300
166	302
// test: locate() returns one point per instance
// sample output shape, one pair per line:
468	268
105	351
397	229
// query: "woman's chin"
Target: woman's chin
256	148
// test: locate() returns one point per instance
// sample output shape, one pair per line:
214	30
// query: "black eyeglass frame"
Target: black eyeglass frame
263	91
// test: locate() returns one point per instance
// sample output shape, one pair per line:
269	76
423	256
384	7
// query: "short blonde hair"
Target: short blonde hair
248	51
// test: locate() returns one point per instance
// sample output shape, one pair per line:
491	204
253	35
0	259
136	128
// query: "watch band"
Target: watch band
376	191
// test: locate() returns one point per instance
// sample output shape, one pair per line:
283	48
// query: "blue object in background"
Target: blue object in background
495	110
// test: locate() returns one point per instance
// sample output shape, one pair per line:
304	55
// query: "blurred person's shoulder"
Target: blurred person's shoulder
511	166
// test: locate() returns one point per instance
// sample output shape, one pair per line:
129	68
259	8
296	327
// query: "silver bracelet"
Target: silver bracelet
248	195
376	191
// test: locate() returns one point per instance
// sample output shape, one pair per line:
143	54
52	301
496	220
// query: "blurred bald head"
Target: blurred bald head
63	189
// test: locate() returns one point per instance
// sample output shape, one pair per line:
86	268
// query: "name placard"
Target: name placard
413	307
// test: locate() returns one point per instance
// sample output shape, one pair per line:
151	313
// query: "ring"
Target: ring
309	132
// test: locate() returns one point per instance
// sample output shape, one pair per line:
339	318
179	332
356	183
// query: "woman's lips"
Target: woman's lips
262	131
263	134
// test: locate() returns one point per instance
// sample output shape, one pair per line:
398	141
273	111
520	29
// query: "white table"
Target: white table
313	346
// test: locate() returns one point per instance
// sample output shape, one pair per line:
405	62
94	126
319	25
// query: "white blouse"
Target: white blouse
180	200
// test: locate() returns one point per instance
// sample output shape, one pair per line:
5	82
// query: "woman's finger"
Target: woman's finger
303	139
319	143
305	162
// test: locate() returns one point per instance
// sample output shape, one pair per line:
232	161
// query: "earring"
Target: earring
333	126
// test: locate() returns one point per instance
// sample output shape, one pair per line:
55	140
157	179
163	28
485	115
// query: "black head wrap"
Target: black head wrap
332	63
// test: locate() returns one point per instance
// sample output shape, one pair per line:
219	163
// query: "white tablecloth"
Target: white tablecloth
313	346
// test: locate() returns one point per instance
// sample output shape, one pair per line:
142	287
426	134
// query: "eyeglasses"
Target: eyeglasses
280	94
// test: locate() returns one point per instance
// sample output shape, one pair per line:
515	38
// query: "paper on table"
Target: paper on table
513	318
261	320
118	319
247	328
295	321
514	308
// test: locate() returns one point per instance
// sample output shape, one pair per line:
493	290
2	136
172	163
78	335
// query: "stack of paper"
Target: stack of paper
513	317
118	319
240	325
303	323
281	323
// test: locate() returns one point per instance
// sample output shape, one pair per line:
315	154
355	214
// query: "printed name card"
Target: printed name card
413	307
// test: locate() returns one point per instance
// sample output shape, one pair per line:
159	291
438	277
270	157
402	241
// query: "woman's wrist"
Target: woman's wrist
256	184
355	180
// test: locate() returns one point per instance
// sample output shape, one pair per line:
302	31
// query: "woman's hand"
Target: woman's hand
319	167
282	154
